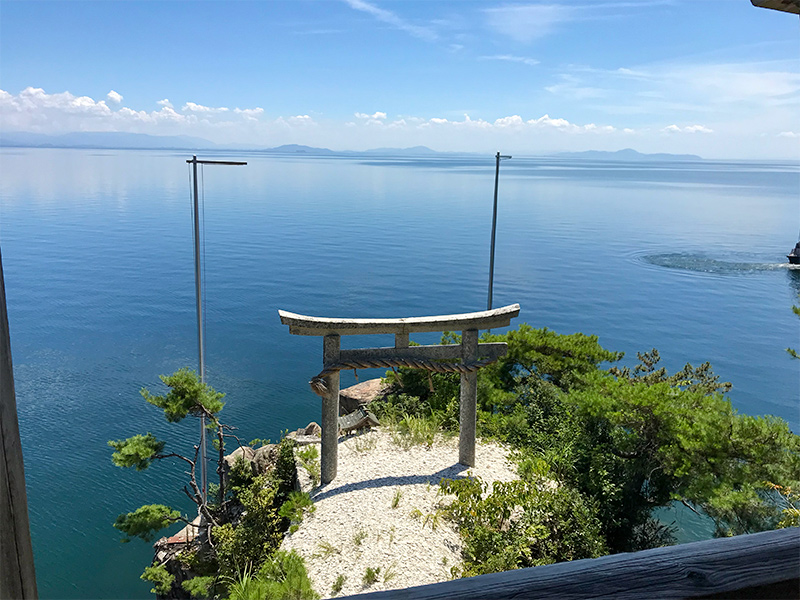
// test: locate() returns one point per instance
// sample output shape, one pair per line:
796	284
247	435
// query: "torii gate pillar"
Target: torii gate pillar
326	384
330	410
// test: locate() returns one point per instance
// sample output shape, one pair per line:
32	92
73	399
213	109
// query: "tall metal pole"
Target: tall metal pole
199	300
494	228
200	350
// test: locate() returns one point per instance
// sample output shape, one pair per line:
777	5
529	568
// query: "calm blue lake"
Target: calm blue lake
685	257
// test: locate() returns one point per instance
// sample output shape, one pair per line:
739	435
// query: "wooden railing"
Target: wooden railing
760	565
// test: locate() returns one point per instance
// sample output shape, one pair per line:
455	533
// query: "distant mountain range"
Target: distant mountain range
628	154
102	139
141	141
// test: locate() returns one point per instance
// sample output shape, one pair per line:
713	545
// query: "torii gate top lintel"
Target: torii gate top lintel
326	384
486	319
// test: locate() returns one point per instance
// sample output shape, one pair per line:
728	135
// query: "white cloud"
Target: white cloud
513	121
377	116
789	134
35	110
199	108
531	62
164	102
301	120
390	18
525	23
687	129
114	97
251	114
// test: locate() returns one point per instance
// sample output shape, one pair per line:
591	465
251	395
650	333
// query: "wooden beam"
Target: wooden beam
768	562
17	575
487	319
444	352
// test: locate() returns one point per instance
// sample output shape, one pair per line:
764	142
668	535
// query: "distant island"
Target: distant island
627	154
111	140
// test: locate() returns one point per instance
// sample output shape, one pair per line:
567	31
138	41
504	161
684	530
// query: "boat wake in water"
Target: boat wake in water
698	263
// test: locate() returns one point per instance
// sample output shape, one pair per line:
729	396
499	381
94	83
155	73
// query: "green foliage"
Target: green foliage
338	584
295	506
145	521
414	430
138	451
359	537
161	579
789	502
693	379
309	460
563	360
199	587
626	440
187	396
683	444
286	578
371	575
285	472
257	534
521	524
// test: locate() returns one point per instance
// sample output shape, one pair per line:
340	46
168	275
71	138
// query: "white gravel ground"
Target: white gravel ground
354	526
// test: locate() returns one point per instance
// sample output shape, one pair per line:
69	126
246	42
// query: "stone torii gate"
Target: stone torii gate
472	355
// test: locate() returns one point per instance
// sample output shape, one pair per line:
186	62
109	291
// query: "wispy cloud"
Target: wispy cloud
687	129
531	62
390	18
199	108
251	114
376	115
525	23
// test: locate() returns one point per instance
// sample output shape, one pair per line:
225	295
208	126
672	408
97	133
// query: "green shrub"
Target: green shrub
338	585
295	506
286	578
256	536
161	579
199	587
519	524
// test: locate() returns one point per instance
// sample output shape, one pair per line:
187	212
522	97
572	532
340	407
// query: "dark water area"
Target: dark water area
686	257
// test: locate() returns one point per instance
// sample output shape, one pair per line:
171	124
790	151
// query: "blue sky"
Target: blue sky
719	78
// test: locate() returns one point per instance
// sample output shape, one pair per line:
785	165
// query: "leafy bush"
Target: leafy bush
257	534
161	579
521	524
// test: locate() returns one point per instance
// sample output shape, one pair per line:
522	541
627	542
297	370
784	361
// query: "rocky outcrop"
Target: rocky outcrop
310	434
361	394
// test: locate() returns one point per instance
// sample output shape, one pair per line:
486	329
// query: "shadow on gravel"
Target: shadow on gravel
456	471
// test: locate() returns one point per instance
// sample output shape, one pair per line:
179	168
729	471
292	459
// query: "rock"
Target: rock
313	429
245	452
361	394
265	458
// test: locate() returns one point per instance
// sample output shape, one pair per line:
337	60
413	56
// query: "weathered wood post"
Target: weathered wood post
468	412
17	575
331	345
